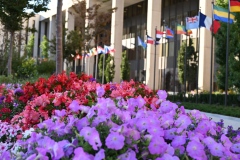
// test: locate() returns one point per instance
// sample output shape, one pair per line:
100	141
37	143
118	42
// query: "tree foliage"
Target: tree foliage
110	68
44	47
102	61
234	50
12	15
29	47
191	66
125	67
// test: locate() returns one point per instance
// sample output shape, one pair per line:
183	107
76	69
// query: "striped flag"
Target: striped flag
100	50
93	51
181	29
169	33
221	14
159	35
150	40
234	5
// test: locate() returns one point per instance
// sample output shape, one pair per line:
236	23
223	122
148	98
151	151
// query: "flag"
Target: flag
189	32
100	50
216	25
141	43
106	49
159	35
192	22
150	40
205	21
234	5
112	50
93	51
169	33
221	14
181	29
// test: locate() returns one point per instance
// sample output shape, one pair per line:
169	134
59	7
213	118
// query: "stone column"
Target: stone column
153	21
205	49
89	67
69	25
116	36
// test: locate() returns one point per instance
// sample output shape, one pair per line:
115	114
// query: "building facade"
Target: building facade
134	18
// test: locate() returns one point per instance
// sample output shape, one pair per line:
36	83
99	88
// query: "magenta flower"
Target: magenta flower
195	150
82	123
166	120
165	107
178	141
134	134
236	148
129	155
142	124
91	135
141	102
132	104
80	154
162	94
58	149
99	119
155	130
100	155
170	150
170	133
216	149
100	91
168	157
74	106
157	145
203	127
60	113
209	141
183	121
115	141
226	142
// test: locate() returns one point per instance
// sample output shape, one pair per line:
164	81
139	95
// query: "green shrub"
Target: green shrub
27	69
216	109
6	79
46	67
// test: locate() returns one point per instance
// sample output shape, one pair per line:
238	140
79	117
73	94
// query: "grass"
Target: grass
216	109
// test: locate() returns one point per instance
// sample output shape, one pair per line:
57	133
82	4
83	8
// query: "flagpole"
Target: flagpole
165	56
227	50
175	54
145	76
155	52
174	61
96	66
162	59
103	68
185	69
210	98
199	38
137	58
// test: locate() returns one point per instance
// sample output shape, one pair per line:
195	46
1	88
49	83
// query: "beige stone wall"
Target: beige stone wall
116	36
205	49
153	21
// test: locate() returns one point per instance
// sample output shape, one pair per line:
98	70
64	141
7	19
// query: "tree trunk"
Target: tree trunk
10	55
59	53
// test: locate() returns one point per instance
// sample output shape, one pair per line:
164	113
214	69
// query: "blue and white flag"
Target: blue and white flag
192	22
205	21
141	43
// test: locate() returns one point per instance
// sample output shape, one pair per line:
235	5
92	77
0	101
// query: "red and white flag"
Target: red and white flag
150	40
159	35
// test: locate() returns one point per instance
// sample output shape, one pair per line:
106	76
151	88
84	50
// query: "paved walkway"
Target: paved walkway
227	120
